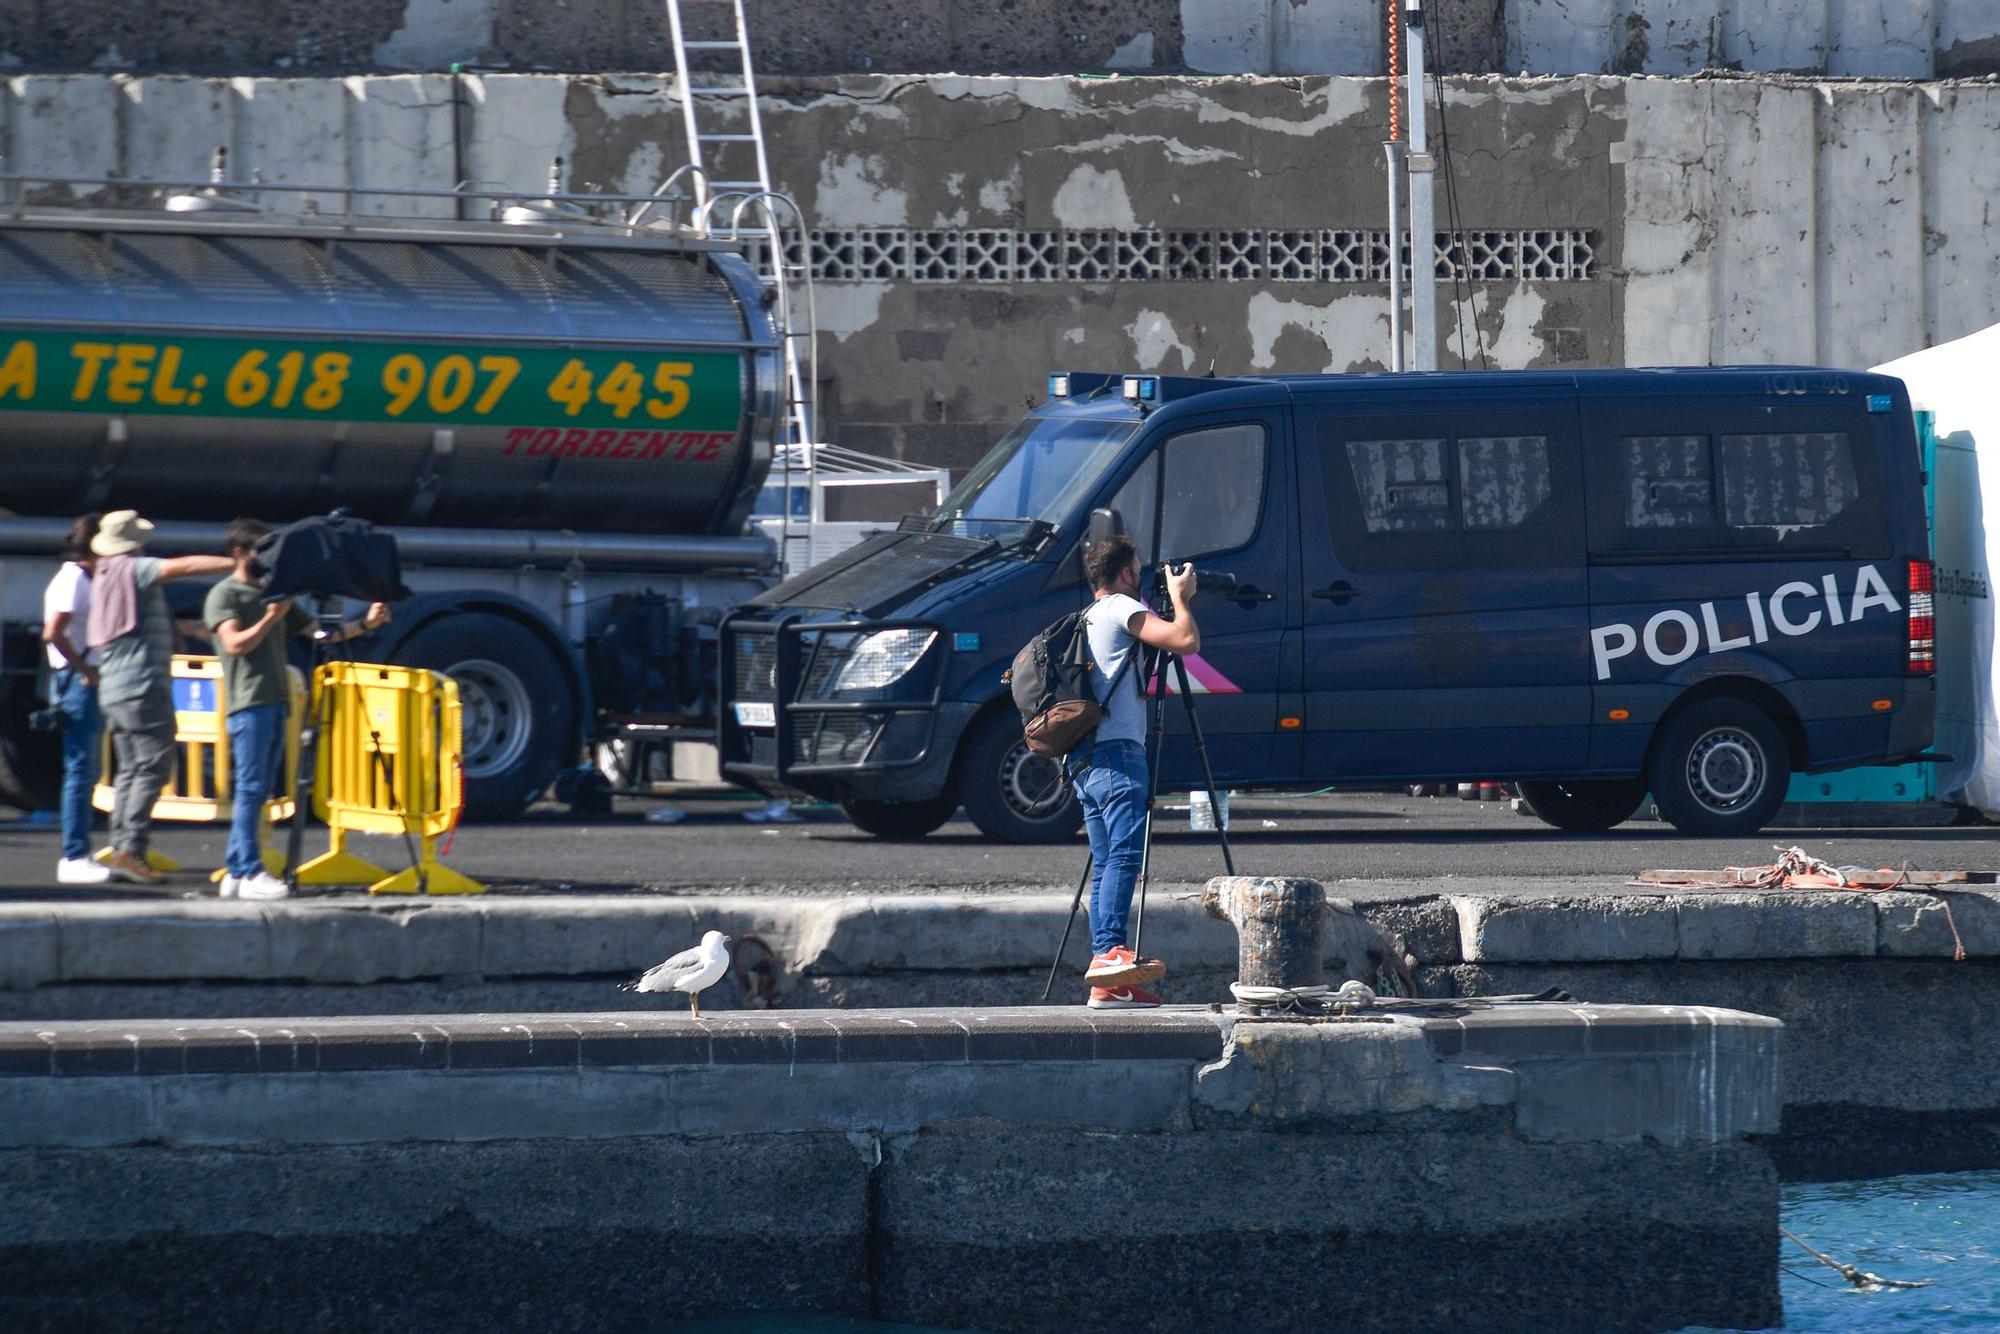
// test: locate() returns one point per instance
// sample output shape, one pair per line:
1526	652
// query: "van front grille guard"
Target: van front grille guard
788	662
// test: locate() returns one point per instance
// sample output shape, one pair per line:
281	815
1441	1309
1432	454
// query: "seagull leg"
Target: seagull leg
694	1003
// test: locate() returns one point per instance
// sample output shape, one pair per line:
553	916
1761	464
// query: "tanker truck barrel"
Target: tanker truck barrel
566	428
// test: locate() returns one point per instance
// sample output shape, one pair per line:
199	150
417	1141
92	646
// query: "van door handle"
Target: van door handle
1248	595
1338	593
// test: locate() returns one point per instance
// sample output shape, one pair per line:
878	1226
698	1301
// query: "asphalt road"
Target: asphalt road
1369	843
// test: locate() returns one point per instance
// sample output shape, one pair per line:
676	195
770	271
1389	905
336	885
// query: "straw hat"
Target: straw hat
120	532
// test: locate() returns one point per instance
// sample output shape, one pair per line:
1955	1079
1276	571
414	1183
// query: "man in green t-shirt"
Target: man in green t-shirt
250	635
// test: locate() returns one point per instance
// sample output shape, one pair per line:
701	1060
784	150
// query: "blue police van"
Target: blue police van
1694	582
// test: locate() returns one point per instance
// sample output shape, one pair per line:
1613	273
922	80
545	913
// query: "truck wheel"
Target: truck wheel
1719	767
520	719
1584	807
899	819
1012	794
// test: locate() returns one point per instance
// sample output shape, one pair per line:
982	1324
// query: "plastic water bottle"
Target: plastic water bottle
1204	809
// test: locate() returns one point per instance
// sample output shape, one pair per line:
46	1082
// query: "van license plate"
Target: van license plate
754	714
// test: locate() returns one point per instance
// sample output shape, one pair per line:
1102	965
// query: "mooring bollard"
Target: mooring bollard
1279	922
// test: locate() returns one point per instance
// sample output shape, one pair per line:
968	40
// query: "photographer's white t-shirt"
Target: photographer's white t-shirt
1110	644
69	591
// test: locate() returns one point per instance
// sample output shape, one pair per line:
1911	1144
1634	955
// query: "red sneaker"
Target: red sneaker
1118	967
1122	998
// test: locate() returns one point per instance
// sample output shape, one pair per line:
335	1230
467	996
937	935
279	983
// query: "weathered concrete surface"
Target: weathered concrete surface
973	232
1881	38
881	1169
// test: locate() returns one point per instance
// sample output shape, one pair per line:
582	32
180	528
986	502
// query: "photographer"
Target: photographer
250	634
1114	787
73	699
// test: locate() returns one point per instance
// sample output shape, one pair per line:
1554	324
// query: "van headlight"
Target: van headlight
883	658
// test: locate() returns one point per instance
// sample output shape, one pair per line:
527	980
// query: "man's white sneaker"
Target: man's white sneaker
227	886
262	885
81	871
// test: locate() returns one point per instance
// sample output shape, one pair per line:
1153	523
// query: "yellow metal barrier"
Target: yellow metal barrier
200	788
389	763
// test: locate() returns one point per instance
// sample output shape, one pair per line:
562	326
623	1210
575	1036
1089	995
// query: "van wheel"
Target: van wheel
1011	793
1719	767
899	819
1584	807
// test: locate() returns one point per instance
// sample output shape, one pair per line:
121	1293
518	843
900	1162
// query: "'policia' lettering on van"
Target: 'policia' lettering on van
1672	637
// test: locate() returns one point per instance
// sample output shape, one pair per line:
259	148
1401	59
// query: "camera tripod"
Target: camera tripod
1156	752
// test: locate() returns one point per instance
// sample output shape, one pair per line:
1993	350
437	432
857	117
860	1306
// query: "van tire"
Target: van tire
899	819
1005	789
1585	807
1719	767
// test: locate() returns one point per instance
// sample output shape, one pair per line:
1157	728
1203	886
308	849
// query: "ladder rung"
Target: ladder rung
738	91
712	46
735	185
727	138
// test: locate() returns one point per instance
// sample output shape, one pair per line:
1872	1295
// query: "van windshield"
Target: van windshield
1041	470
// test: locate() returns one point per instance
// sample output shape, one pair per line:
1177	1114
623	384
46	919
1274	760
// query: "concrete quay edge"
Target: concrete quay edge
49	942
1557	1073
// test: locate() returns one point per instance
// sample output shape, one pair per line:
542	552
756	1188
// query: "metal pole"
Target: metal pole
1423	219
1393	150
1082	883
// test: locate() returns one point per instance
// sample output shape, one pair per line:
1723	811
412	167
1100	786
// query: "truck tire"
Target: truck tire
1013	795
1589	807
520	715
899	819
1719	767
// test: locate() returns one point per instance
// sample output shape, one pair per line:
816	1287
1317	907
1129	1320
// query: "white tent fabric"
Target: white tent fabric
1959	382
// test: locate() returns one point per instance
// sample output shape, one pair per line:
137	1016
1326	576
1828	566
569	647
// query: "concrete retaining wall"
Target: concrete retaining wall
1890	1069
973	233
1881	38
1550	1168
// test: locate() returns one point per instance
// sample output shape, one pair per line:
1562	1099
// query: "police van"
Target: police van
1691	582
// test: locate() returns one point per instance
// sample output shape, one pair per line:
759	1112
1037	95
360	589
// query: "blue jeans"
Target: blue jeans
256	748
1113	794
82	759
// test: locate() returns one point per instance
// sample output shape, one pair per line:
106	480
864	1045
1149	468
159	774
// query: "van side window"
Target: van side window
1743	490
1452	497
1214	493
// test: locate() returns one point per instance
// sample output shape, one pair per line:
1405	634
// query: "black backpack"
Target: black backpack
1054	680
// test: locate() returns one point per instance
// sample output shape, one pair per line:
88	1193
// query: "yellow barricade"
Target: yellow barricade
389	763
200	789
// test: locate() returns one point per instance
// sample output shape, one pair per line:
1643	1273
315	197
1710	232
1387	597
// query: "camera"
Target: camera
49	719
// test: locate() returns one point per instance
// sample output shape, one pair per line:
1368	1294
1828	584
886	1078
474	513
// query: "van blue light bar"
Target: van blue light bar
1059	386
1880	402
1142	388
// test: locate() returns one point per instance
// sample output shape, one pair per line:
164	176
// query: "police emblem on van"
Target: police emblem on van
1797	608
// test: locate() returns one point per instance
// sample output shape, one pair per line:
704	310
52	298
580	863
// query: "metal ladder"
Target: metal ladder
699	90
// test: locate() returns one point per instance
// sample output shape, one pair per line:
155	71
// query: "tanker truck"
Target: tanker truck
564	414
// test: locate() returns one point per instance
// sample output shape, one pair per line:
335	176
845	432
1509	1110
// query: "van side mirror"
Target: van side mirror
1105	524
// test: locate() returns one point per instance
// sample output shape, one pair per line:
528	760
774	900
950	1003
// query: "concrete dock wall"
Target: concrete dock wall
1890	1072
1530	1168
972	233
1879	38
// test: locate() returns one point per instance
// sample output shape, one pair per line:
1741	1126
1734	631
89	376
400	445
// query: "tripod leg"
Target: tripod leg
1083	883
1207	773
1154	760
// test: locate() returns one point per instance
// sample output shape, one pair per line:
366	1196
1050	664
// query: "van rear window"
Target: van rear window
1745	490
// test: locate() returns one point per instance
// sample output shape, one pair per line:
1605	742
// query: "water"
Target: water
1945	1228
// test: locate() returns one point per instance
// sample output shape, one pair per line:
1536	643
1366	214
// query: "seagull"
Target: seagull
692	971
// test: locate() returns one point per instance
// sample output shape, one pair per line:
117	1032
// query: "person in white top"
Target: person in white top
1110	773
73	690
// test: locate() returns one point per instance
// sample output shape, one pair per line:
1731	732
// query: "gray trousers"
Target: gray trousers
142	747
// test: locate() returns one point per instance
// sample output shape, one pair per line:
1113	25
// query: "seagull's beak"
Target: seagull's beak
729	940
